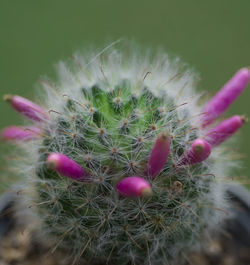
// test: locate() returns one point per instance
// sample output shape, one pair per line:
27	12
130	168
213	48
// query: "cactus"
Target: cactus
119	164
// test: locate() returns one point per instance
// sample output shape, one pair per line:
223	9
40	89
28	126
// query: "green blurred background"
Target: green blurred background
212	36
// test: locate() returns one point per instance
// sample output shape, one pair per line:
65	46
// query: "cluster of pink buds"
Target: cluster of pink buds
200	148
29	110
219	104
138	186
225	97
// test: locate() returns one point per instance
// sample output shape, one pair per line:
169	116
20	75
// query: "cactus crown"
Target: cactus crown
110	117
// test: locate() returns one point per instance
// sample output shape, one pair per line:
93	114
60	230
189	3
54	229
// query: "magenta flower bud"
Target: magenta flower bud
159	155
134	187
225	129
27	108
14	133
226	96
199	151
66	166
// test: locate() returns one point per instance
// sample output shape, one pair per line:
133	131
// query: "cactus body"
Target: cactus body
107	118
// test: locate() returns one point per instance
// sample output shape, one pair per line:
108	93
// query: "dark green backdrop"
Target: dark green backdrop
212	36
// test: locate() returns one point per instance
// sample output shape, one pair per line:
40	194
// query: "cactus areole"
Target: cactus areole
123	170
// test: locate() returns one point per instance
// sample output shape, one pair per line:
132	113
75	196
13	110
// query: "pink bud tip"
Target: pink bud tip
27	108
134	187
199	151
226	96
225	129
14	133
159	155
66	167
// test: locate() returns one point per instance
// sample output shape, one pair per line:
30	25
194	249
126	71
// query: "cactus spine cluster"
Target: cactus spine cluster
121	161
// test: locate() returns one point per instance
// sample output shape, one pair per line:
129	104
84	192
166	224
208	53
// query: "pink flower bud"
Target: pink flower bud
159	155
134	187
14	133
66	167
199	151
225	129
226	96
27	108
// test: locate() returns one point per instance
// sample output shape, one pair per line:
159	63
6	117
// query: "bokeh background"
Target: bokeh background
212	36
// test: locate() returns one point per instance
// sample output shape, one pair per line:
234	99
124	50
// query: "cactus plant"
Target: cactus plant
120	164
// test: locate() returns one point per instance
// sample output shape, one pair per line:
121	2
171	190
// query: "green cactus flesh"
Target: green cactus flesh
110	131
